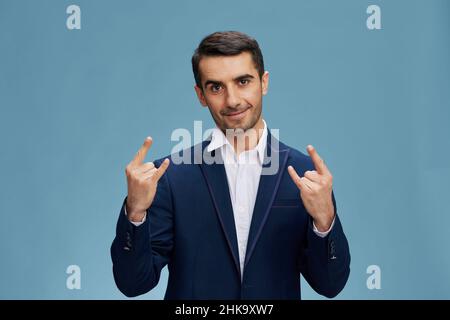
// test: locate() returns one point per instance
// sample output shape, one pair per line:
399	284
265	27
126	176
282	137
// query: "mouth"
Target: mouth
237	115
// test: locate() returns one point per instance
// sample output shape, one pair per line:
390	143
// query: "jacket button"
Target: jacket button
128	244
332	250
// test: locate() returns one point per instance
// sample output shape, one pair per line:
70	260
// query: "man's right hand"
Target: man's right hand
142	181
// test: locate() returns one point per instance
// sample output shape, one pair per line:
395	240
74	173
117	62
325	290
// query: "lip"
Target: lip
237	115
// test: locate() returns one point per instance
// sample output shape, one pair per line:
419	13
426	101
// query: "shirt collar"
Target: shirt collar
218	140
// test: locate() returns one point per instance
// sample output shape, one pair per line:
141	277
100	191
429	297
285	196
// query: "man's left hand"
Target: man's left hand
315	191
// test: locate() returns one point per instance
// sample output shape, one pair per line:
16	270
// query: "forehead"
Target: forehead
224	68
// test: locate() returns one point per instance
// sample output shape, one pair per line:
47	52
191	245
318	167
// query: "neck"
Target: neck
248	140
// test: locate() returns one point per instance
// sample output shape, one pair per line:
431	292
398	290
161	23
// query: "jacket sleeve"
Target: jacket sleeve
325	262
139	253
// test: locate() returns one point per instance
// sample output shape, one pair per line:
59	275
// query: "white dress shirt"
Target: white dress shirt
243	174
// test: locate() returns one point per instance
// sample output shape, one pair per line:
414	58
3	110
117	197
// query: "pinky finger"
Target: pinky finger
295	178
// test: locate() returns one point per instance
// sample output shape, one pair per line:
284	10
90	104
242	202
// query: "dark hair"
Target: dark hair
227	43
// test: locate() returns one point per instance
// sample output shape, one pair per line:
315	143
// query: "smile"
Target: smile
237	115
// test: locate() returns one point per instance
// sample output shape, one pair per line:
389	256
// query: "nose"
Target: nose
233	100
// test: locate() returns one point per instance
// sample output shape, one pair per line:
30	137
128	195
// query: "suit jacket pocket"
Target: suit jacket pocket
286	203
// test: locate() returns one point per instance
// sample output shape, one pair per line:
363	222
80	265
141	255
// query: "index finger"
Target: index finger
142	152
319	164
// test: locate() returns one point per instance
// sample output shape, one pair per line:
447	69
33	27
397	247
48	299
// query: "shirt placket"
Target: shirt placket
242	207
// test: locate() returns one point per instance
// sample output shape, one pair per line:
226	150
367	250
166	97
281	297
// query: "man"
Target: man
229	229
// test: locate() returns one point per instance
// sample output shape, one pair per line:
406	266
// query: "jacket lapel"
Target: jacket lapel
216	180
267	189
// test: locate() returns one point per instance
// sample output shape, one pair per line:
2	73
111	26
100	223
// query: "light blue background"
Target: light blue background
76	106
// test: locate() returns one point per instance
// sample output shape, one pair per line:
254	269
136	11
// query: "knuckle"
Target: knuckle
128	170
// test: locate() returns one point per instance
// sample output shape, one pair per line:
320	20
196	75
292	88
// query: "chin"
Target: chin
238	125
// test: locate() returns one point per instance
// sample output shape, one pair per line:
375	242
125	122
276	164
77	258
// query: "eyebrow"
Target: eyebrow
241	77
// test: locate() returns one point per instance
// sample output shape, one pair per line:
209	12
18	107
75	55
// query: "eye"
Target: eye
215	87
244	81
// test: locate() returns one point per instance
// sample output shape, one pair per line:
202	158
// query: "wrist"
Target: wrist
135	215
323	225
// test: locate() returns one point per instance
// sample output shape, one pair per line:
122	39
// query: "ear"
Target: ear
265	82
200	96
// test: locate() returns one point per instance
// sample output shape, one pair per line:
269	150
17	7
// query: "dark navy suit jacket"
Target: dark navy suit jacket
190	227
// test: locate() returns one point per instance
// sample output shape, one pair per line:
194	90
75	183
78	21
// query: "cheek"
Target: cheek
252	95
215	104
